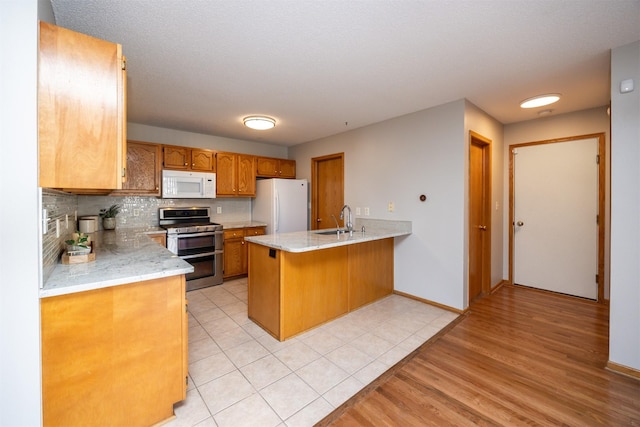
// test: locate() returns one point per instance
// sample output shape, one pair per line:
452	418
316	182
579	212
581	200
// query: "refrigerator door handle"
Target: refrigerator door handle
277	218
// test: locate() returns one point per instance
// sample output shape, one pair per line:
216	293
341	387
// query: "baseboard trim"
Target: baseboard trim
426	301
500	284
623	370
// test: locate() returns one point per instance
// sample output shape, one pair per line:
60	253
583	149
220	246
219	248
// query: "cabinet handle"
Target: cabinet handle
186	164
193	165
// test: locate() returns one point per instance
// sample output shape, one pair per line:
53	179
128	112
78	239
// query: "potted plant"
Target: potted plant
109	216
79	245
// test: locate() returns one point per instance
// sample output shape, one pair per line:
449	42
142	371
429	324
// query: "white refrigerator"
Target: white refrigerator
281	204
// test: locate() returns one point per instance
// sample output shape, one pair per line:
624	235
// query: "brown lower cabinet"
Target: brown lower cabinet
161	238
114	356
290	292
235	250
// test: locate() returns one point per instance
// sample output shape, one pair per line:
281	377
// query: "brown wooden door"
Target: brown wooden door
226	176
203	160
81	102
246	175
287	168
143	169
327	190
479	216
267	167
175	157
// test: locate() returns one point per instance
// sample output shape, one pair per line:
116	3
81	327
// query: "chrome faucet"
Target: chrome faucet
349	223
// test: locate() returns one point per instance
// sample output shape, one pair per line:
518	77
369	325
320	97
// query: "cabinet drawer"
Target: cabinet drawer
233	233
254	231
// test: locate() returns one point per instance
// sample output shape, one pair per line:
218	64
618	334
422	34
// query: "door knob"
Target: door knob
482	227
519	223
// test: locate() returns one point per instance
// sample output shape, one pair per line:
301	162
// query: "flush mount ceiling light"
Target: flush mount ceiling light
540	100
259	122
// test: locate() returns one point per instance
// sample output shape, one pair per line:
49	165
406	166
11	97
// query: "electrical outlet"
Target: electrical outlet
366	211
45	221
390	207
219	209
357	211
136	212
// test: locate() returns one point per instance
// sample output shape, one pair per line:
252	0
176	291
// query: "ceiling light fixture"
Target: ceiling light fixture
540	100
259	122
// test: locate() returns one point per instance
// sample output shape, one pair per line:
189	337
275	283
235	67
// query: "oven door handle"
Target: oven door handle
201	234
202	255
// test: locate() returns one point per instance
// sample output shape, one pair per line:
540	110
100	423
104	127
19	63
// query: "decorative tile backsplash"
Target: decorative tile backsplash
60	206
136	212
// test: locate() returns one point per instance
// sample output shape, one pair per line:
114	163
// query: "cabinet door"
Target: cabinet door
143	169
93	327
81	102
287	168
234	253
161	238
267	167
251	231
176	158
246	170
203	160
226	174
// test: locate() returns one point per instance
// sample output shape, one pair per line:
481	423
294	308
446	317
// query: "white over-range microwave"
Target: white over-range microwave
188	185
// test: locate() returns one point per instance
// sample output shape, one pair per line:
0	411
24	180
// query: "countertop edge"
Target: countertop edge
290	242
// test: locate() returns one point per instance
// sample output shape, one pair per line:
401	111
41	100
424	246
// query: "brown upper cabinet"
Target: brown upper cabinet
143	169
81	111
189	159
269	167
236	175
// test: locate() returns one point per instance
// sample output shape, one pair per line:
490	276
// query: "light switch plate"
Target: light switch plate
626	86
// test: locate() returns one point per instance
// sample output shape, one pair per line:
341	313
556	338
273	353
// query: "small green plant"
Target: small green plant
111	212
80	240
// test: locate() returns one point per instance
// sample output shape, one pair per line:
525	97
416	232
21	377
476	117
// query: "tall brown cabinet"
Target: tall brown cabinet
81	111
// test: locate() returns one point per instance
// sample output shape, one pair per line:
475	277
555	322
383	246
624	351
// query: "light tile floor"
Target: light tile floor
241	376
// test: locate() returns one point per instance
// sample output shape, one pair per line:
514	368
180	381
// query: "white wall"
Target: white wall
624	328
19	236
396	161
139	132
481	123
594	120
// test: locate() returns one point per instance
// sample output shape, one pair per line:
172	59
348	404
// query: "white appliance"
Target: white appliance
188	185
281	204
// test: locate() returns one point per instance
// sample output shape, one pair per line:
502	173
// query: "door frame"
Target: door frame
315	185
485	144
602	218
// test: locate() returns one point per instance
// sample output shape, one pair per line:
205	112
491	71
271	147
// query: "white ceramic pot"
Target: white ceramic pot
109	223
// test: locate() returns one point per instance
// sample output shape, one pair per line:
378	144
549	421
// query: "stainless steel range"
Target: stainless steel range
193	237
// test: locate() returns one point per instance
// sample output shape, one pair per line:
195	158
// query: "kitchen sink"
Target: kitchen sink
330	232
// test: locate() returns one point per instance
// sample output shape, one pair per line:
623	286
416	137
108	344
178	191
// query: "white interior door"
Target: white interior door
555	215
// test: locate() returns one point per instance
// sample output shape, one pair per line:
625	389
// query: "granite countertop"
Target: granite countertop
304	241
242	224
122	256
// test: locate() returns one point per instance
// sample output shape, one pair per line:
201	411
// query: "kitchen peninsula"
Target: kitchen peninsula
300	280
114	331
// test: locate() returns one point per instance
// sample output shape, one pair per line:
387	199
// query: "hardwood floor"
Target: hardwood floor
517	357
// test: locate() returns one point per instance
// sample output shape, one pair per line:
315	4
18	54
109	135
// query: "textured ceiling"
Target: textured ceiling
320	67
